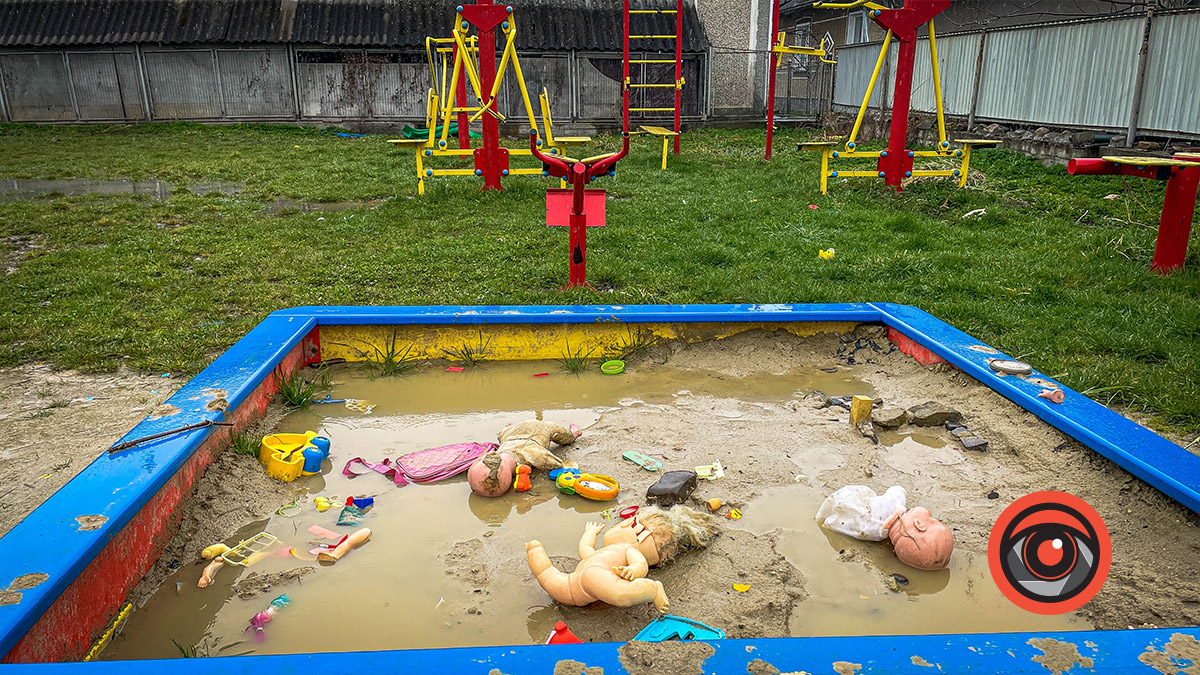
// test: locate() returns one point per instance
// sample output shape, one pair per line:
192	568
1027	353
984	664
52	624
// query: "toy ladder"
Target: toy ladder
677	85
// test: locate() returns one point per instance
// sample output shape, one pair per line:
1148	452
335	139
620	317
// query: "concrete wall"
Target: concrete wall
738	79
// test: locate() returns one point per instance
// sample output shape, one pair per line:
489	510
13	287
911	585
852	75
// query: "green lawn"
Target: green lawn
1053	273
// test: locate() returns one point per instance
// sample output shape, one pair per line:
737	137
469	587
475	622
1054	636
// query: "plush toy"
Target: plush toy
918	539
492	474
616	573
529	442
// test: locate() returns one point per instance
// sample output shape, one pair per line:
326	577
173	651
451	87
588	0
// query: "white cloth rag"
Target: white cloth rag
856	511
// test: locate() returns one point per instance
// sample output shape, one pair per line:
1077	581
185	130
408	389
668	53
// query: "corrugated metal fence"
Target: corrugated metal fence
139	83
1077	74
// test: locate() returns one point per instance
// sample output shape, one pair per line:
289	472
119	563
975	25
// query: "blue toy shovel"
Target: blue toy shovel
678	628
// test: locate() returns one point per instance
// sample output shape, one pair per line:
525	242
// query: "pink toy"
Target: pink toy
260	620
918	539
343	547
492	474
426	466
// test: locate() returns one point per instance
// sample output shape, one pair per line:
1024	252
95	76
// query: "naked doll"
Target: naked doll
616	573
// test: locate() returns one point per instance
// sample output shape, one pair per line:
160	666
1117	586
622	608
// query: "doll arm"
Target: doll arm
587	543
636	566
210	571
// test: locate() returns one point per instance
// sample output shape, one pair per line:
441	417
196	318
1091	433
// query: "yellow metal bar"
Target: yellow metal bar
943	172
525	172
597	158
521	81
654	85
847	5
453	152
858	153
433	80
937	90
652	37
929	153
864	174
862	110
666	141
653	11
652	109
420	174
962	179
453	172
825	153
652	61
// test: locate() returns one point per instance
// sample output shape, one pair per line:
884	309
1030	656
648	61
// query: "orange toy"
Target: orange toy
522	482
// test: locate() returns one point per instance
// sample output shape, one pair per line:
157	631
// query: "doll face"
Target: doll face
921	541
631	531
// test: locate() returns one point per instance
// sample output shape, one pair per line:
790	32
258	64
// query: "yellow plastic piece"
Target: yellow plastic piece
826	254
282	455
860	409
711	471
741	588
250	551
214	551
590	485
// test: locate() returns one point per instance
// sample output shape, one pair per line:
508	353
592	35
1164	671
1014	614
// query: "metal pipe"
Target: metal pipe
1139	84
862	110
937	89
978	77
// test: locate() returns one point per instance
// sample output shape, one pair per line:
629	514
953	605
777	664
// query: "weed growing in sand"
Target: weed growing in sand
634	345
243	444
60	403
389	361
575	361
471	355
192	651
294	389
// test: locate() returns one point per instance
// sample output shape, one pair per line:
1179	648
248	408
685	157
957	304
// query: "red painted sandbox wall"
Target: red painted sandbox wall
67	629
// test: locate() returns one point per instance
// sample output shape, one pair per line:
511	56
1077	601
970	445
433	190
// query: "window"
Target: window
857	27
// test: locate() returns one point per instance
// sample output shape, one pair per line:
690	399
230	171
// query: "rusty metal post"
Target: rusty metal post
978	77
1139	84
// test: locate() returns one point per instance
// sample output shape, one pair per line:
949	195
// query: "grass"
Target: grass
575	361
244	444
635	344
471	354
1053	271
297	391
390	360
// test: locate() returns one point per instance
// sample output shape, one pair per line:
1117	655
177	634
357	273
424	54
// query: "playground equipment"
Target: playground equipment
461	60
570	207
677	85
778	50
896	163
1182	173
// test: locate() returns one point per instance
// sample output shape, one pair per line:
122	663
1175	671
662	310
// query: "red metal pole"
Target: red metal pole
460	101
897	162
1179	205
678	68
491	124
625	72
578	222
771	86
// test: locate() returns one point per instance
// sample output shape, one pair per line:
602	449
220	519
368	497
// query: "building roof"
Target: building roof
542	24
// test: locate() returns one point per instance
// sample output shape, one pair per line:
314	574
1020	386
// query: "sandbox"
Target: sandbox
727	383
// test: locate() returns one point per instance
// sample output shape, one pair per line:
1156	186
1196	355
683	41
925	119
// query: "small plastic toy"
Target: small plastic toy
711	471
826	254
561	635
1052	395
522	478
641	459
246	553
282	454
918	539
343	547
677	628
715	504
616	573
588	485
260	620
629	512
529	442
323	504
315	452
613	367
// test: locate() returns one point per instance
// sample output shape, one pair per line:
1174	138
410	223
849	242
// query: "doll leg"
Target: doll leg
618	592
548	577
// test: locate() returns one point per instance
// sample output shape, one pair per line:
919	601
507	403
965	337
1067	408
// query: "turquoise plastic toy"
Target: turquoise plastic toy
678	628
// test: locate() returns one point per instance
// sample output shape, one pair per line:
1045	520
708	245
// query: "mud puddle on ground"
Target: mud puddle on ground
418	583
16	189
852	588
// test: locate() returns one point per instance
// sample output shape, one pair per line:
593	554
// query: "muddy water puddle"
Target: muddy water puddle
418	583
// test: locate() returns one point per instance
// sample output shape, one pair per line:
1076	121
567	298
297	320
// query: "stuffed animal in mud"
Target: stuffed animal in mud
616	573
918	539
529	442
492	474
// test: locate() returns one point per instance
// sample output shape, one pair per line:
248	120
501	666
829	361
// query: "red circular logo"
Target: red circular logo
1049	552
